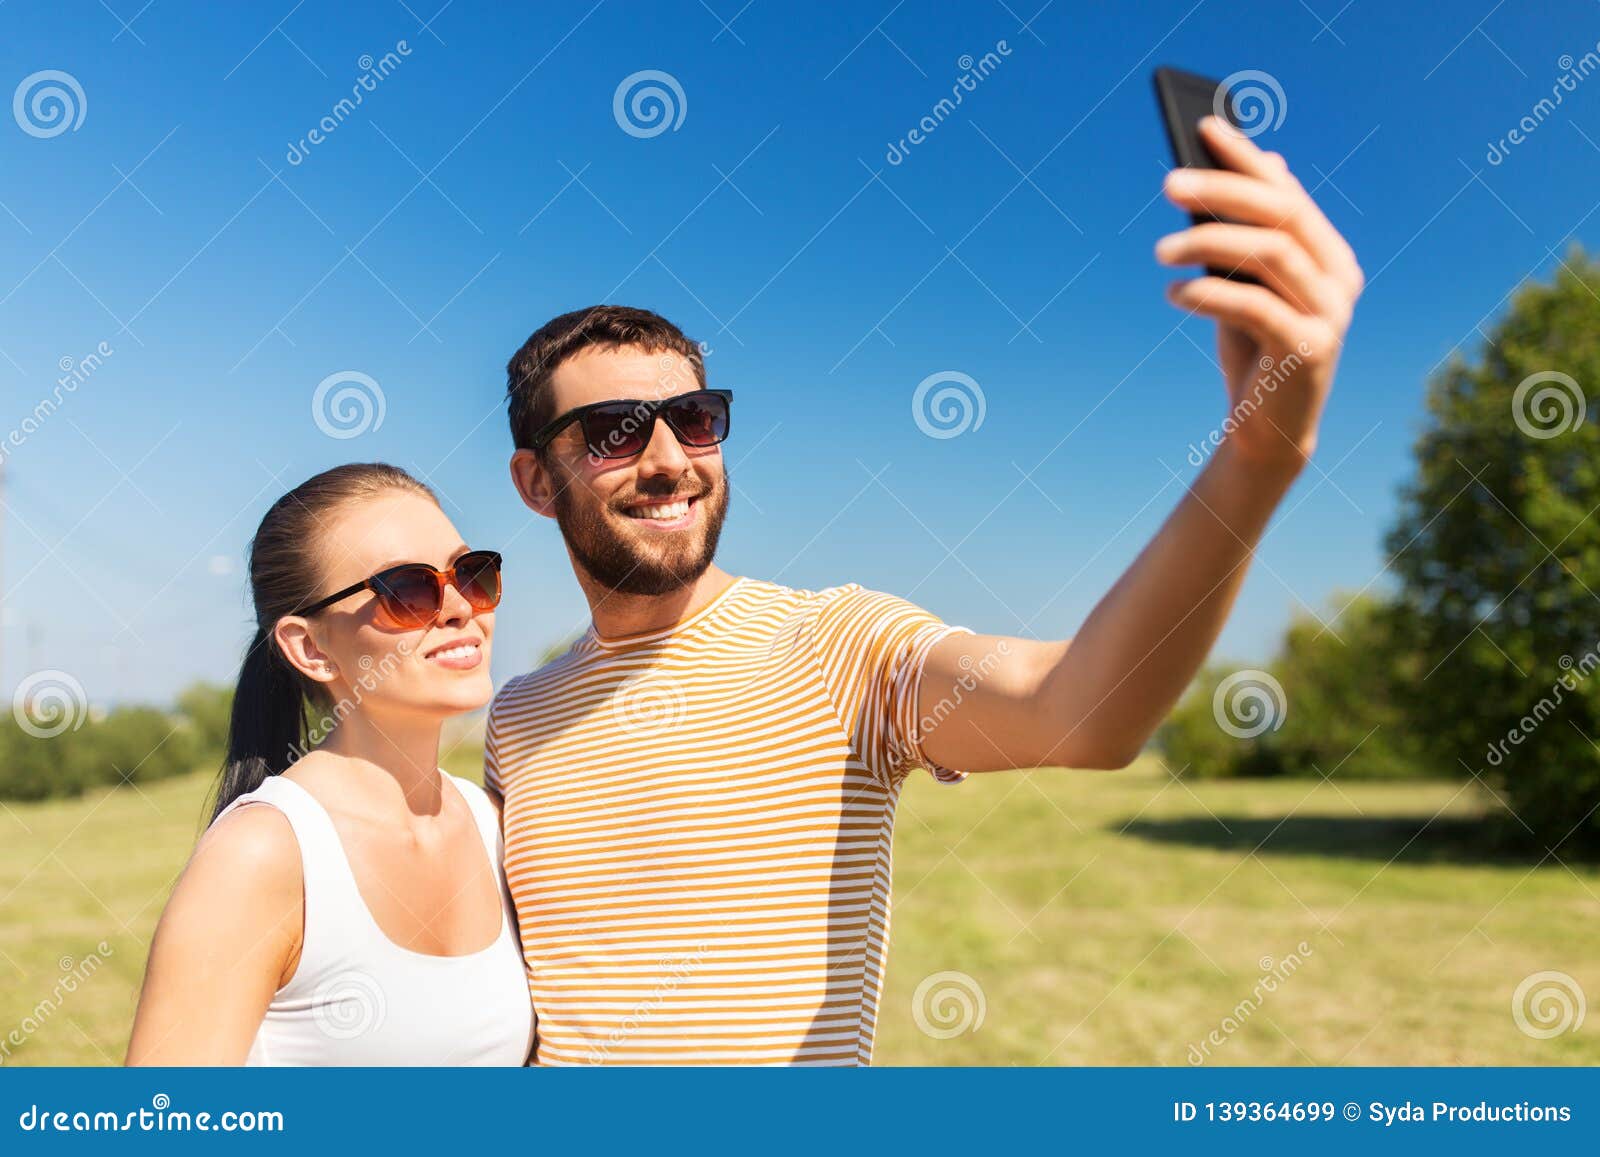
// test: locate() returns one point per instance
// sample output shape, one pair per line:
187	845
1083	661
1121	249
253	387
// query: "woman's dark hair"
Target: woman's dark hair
267	729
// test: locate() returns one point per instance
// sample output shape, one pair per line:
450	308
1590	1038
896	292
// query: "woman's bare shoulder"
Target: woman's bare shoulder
251	850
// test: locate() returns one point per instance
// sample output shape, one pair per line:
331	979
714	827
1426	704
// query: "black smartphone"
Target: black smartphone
1185	97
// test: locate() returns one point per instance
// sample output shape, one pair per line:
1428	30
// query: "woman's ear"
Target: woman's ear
532	479
298	646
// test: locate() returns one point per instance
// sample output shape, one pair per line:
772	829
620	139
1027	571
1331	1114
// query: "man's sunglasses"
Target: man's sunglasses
623	428
411	594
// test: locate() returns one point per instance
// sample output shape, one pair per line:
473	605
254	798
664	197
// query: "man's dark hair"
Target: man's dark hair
529	371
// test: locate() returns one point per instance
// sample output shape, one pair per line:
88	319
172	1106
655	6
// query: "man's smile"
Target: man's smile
674	514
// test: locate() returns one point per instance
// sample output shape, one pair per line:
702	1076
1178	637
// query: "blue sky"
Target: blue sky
485	184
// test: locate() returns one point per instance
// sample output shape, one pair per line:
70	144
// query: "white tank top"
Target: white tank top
357	997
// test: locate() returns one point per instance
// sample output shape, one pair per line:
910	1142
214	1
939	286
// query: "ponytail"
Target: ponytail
267	727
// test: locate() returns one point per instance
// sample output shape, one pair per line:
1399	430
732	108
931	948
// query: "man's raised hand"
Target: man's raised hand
1278	341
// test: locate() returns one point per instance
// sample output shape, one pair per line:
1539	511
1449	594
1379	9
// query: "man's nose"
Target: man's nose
663	457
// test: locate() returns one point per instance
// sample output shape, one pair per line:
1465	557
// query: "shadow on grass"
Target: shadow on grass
1402	839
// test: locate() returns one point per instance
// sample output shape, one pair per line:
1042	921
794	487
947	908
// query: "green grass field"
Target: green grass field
1095	919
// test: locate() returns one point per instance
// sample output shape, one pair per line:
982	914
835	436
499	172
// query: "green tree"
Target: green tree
32	768
138	745
1215	731
128	745
1348	677
1331	703
1498	556
205	708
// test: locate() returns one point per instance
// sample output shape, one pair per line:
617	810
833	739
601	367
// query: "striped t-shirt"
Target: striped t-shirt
698	822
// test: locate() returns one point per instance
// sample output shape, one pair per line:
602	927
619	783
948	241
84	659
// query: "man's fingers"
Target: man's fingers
1260	189
1272	256
1238	152
1239	197
1270	205
1253	308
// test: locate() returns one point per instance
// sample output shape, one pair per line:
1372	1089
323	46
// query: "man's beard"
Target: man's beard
619	564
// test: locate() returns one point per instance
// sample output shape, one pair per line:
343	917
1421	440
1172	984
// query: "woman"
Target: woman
346	906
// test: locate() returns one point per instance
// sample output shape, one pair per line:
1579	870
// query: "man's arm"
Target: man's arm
991	703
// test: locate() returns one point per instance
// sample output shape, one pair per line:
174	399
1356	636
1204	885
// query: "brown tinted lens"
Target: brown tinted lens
409	595
619	431
698	419
478	579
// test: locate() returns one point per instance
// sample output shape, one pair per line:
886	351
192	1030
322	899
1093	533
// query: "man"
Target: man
699	796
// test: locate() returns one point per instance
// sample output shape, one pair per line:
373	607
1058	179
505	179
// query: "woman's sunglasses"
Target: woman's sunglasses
623	428
411	594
